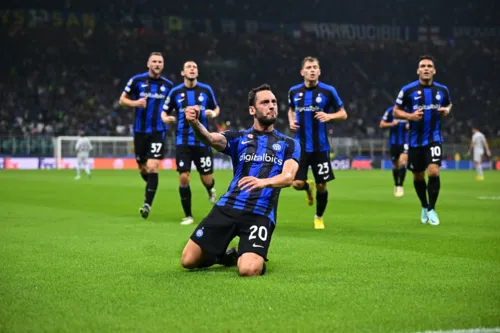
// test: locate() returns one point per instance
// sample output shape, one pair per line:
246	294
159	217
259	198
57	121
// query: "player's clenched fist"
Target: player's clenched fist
192	113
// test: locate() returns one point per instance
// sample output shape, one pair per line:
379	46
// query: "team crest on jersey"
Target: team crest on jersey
300	94
162	88
199	233
419	92
201	98
438	96
277	146
182	95
181	164
250	136
318	99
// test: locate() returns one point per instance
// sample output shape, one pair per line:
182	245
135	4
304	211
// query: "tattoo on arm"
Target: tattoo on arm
215	140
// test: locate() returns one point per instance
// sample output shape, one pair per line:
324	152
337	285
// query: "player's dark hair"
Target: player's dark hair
155	54
427	57
309	59
185	62
253	93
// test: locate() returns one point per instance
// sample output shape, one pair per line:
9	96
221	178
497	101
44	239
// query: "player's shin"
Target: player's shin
402	175
210	186
321	201
421	189
395	175
151	187
185	193
433	190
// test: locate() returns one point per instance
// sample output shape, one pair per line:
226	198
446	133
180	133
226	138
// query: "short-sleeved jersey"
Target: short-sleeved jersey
148	119
261	155
83	145
398	134
312	133
478	141
415	96
181	97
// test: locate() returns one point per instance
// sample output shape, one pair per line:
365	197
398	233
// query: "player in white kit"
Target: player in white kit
82	147
478	146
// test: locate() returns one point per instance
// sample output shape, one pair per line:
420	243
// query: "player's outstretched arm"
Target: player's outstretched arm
215	140
284	179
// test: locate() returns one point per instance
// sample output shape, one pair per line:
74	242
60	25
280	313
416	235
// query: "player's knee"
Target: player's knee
252	268
419	175
298	184
321	187
184	178
189	260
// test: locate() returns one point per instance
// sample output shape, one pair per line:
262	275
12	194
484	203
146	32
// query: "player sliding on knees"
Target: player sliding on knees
423	103
264	161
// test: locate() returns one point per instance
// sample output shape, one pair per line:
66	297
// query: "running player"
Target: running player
312	105
146	93
423	103
188	148
398	144
264	161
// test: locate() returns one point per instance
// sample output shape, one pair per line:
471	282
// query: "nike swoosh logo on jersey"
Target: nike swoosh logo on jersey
245	142
418	97
255	245
144	85
297	99
180	100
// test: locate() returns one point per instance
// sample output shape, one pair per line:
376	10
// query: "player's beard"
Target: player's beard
263	120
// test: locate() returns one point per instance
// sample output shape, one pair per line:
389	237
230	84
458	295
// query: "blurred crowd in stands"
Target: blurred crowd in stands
58	81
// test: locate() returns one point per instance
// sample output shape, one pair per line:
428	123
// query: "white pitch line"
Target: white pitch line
470	330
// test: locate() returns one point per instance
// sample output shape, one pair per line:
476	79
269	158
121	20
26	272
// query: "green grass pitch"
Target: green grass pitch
76	257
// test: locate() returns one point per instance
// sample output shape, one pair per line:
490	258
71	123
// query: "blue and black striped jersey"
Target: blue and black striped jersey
398	134
148	120
416	96
181	97
312	133
261	155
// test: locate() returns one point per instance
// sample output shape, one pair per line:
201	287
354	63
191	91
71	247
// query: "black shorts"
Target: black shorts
397	150
149	146
420	157
320	164
201	156
222	224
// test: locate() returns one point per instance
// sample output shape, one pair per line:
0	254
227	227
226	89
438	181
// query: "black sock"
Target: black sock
402	174
209	187
151	188
421	189
395	175
263	269
306	187
321	201
144	176
185	193
433	190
